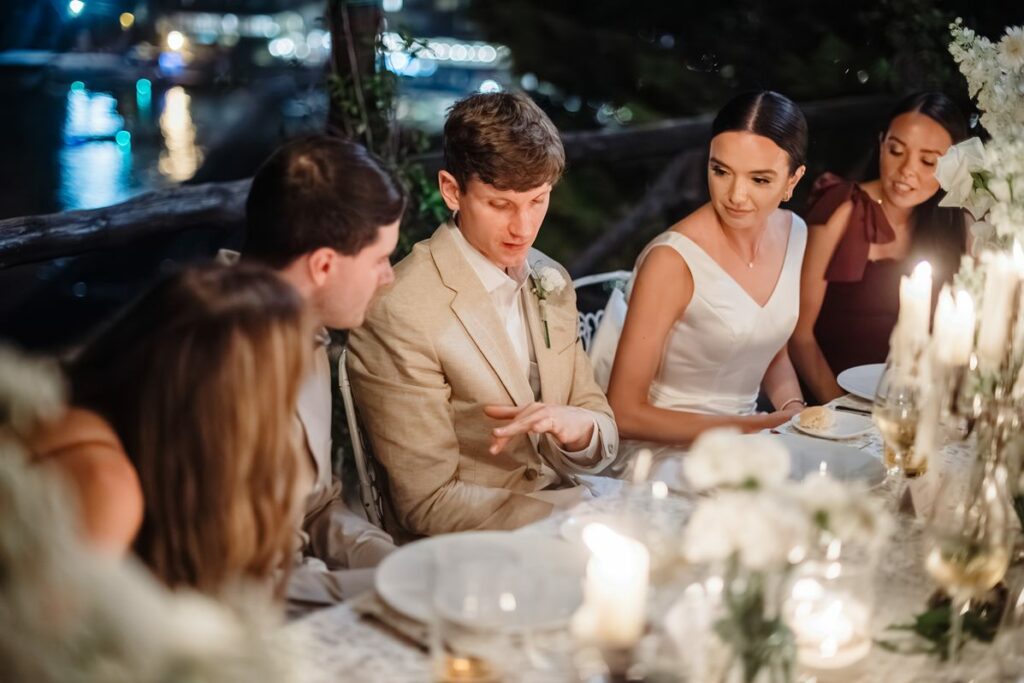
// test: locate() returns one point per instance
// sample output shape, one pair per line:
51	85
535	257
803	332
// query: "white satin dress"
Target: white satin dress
716	355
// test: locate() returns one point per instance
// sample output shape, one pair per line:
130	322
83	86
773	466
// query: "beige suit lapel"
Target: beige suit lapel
476	312
554	368
314	411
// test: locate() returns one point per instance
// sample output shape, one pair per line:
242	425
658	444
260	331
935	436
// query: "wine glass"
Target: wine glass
1009	642
476	609
896	411
969	540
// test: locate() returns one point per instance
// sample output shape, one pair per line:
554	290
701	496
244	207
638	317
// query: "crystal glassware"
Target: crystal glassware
969	537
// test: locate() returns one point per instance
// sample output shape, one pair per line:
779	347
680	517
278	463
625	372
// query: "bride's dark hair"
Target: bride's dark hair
771	115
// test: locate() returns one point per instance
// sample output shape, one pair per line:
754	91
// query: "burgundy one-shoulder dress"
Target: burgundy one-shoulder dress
862	299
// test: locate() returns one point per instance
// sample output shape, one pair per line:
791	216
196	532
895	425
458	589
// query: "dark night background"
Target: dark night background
102	103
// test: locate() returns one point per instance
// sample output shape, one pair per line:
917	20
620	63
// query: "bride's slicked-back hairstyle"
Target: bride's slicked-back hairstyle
771	115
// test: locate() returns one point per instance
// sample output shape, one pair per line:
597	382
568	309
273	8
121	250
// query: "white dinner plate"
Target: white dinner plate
862	380
806	455
845	426
405	580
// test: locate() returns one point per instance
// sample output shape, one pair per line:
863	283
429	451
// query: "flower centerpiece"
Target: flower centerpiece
752	528
750	534
987	179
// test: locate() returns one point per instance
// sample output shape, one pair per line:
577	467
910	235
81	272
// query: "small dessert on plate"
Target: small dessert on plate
817	418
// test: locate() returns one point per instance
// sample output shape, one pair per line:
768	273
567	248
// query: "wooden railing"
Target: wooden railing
680	141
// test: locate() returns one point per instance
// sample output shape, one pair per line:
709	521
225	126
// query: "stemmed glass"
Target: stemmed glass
476	610
896	411
969	536
1009	642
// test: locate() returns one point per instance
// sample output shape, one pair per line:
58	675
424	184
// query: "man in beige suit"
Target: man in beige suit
477	397
324	214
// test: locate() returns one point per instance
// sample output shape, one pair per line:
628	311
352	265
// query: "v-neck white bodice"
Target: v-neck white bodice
716	355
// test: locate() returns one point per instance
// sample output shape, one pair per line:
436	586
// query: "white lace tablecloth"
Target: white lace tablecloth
336	644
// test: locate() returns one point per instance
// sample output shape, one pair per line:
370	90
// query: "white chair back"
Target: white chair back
590	320
370	494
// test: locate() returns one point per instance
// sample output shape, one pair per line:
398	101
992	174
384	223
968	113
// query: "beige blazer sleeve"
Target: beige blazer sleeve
403	398
343	539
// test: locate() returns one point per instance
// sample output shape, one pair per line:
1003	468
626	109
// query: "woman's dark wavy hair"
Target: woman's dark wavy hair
940	233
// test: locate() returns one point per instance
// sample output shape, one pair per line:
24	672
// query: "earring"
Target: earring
455	216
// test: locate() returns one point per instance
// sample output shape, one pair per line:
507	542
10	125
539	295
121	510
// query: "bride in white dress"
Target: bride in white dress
715	298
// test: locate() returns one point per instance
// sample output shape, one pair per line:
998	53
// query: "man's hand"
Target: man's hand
571	427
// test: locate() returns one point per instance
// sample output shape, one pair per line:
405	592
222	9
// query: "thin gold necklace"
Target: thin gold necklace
757	249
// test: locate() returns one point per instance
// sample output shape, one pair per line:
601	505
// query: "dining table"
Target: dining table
365	640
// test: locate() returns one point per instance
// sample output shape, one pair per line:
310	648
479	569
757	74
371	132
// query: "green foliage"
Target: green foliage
757	639
933	625
363	108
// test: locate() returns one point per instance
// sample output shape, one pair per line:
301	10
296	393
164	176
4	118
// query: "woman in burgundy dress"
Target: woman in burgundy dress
863	236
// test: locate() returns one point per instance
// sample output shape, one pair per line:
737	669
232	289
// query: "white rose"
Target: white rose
551	280
1000	189
760	528
982	232
954	169
843	508
726	458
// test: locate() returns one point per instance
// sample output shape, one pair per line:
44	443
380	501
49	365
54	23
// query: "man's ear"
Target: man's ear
449	188
319	264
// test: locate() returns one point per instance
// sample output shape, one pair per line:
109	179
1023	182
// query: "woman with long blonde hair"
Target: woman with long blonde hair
199	380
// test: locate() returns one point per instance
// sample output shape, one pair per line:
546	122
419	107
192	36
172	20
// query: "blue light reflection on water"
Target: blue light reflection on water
96	158
95	174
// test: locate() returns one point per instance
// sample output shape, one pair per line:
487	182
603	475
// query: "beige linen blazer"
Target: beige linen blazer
430	355
335	547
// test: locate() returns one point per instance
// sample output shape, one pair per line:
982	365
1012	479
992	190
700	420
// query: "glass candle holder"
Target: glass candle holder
828	608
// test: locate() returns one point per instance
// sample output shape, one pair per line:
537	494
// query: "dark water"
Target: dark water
72	146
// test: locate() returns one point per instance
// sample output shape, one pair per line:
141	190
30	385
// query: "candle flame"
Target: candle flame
922	275
603	541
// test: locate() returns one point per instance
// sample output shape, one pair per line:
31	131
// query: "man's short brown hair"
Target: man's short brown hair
504	140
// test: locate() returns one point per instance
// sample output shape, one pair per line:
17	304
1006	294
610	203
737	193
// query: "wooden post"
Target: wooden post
354	109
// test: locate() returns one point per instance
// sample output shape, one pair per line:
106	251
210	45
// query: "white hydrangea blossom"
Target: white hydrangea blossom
31	390
988	180
995	76
761	529
724	458
845	510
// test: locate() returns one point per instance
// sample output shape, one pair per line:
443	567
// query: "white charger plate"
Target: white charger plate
862	380
404	579
845	426
840	461
806	455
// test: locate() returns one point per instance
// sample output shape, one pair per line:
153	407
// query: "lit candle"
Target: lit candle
915	305
614	607
1001	281
953	332
831	629
1018	332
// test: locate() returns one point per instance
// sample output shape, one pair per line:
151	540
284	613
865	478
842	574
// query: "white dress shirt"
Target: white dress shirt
506	291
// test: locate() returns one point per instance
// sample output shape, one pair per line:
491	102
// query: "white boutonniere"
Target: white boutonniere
546	281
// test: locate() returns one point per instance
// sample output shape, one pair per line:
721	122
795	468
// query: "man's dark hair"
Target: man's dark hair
319	191
504	140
